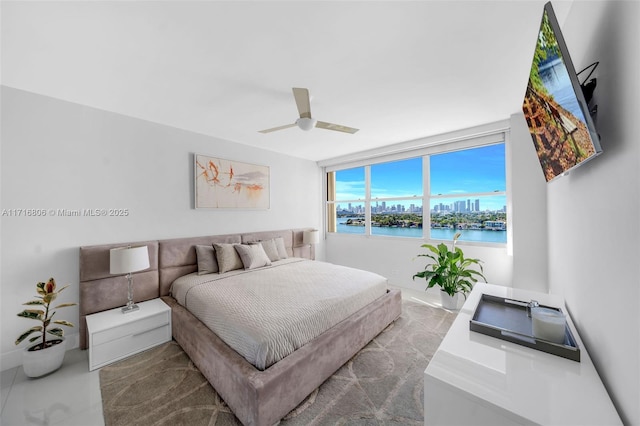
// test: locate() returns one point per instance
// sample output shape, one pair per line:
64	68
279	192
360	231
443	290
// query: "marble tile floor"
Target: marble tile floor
68	396
71	395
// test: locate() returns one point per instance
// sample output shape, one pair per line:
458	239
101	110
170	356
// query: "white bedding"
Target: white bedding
267	313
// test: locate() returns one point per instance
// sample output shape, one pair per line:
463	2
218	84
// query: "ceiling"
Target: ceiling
398	71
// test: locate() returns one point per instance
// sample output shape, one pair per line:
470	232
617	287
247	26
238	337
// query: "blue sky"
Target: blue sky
468	171
472	170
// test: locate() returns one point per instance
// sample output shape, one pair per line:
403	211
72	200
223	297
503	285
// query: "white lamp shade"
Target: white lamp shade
128	259
311	237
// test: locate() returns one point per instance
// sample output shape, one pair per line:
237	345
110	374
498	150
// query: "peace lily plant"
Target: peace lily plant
450	270
42	313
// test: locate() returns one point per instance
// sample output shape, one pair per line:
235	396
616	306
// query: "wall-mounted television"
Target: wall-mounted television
554	105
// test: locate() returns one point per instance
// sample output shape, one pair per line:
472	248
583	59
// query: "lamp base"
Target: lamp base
130	308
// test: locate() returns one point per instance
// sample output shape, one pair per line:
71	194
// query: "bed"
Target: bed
260	389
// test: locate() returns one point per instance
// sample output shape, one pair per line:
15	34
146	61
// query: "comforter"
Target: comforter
267	313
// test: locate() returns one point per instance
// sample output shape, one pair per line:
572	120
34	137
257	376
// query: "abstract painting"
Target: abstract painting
230	184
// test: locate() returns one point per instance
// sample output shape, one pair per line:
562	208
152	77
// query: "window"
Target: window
468	195
346	193
396	198
433	195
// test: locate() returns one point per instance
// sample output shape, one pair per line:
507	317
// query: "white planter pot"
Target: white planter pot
449	302
39	363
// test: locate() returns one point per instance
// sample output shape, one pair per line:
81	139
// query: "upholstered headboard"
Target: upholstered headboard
168	260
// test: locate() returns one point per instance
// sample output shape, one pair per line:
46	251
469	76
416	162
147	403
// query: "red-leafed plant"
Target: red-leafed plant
42	312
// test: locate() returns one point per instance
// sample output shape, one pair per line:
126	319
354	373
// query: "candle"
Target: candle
548	324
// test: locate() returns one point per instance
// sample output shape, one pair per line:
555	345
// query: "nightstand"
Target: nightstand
114	335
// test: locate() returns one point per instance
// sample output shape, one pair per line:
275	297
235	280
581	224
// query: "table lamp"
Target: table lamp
125	260
311	236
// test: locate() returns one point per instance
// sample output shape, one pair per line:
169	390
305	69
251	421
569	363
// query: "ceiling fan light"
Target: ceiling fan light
306	124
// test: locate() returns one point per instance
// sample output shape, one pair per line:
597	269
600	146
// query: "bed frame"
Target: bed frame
256	397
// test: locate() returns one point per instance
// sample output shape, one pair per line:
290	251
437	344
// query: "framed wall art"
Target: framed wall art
230	184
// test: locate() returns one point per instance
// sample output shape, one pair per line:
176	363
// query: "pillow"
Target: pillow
207	263
282	250
270	249
253	256
227	257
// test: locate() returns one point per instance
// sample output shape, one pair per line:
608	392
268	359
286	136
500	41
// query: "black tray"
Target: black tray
507	319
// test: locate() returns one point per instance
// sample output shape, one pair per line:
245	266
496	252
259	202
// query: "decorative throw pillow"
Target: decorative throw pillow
270	248
207	263
227	257
282	250
253	255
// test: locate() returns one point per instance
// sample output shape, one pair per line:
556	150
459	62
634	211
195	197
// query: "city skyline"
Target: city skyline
468	205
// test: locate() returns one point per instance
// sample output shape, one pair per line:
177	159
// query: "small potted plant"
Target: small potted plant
451	271
47	355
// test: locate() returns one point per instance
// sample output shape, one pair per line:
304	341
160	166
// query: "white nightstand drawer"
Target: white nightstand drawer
132	328
127	345
114	335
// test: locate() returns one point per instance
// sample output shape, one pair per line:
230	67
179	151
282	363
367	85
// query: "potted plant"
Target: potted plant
46	355
451	271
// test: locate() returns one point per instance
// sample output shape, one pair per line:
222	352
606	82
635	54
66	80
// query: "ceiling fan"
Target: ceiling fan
306	122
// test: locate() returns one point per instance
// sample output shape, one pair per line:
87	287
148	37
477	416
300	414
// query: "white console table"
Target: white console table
475	379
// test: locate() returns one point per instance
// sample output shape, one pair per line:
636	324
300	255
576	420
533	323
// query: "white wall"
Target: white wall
594	214
396	258
529	210
59	155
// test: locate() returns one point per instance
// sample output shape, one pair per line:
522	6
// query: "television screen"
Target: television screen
554	105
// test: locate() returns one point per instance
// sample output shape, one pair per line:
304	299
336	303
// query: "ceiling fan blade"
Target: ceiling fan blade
302	101
336	127
274	129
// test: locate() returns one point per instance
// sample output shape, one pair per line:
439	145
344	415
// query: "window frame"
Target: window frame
463	143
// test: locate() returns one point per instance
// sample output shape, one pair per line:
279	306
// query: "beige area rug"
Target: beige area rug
382	384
